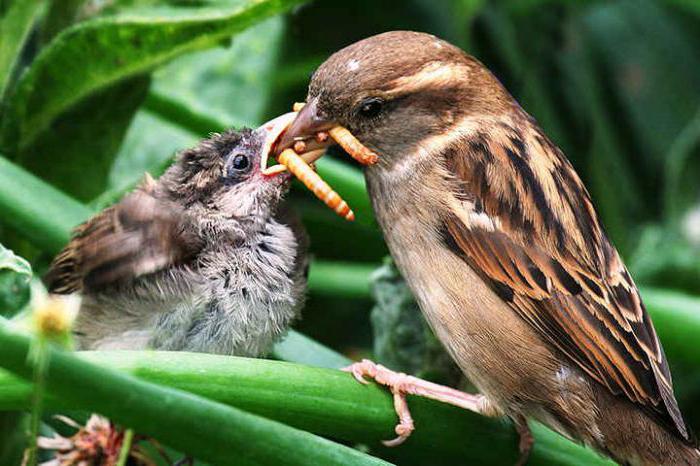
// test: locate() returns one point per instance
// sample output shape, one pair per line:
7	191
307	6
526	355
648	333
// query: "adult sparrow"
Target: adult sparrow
204	259
500	242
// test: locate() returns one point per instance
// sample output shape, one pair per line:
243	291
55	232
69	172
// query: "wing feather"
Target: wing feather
549	258
140	235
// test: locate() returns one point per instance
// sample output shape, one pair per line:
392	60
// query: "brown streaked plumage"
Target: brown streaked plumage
139	235
550	260
500	243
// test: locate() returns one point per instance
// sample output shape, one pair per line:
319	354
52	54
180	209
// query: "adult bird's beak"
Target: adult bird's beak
307	123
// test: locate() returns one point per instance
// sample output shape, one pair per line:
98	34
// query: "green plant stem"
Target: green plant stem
326	402
113	48
39	211
676	318
340	279
200	427
126	447
301	349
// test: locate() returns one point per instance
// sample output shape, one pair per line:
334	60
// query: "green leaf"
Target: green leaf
200	427
77	152
149	145
9	261
59	15
113	48
15	24
231	85
15	273
198	94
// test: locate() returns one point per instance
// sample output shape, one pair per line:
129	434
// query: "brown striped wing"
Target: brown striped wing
542	250
138	236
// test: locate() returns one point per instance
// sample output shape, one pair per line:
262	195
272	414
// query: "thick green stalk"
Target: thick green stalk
326	402
203	428
340	279
301	349
36	209
676	318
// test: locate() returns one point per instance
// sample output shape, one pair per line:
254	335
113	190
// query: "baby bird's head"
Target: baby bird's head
222	174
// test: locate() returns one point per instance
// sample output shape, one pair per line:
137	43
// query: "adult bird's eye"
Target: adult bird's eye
240	162
370	108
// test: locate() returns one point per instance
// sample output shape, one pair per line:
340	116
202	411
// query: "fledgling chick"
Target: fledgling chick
501	245
204	259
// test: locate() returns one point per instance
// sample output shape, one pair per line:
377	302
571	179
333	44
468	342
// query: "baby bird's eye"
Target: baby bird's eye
240	162
370	107
237	167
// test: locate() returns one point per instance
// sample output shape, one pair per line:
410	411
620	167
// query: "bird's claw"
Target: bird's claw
403	430
396	382
359	370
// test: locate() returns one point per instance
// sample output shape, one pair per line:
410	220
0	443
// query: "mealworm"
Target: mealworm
315	183
352	146
347	141
308	157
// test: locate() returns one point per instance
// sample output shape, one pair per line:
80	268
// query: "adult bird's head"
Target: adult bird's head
396	92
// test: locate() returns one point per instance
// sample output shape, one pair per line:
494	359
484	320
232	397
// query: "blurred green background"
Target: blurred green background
95	93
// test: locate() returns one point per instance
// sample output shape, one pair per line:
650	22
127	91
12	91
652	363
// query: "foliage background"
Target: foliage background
96	93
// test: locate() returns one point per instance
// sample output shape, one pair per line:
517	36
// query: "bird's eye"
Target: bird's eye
240	162
370	108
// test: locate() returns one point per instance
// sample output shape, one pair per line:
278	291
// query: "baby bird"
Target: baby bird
203	259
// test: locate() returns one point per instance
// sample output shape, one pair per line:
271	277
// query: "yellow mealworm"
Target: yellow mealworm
315	183
352	146
308	157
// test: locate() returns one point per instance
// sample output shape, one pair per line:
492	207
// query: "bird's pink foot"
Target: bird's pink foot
401	385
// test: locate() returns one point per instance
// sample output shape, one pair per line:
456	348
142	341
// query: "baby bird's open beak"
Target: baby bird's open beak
271	131
275	132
